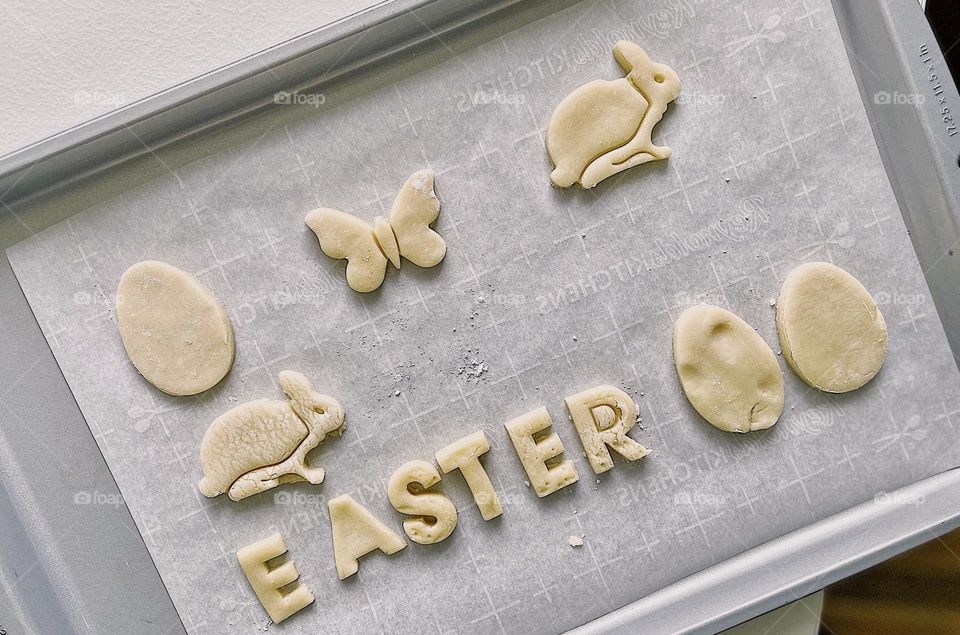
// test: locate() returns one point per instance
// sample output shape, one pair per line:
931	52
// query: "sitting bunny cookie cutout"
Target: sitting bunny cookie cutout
406	232
605	127
260	444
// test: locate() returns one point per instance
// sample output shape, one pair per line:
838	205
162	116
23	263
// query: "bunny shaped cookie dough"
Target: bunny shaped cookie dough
259	444
605	127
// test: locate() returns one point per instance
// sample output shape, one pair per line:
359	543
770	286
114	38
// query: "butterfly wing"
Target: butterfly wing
414	209
343	236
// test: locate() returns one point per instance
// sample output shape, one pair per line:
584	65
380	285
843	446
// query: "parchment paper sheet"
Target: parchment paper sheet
553	291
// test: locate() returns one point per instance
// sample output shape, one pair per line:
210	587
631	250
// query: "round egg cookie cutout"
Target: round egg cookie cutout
831	331
175	331
727	371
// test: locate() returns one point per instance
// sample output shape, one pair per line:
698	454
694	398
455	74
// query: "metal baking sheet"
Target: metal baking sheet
762	179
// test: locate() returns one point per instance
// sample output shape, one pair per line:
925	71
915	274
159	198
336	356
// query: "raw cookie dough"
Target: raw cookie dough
266	581
605	127
728	373
260	444
464	455
173	328
603	416
357	532
434	515
367	249
539	456
831	331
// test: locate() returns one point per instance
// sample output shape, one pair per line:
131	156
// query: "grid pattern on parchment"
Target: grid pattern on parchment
554	291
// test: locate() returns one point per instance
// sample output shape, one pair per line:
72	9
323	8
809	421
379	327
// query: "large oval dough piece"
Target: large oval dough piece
728	373
831	331
174	329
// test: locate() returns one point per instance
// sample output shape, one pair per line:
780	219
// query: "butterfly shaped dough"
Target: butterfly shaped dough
406	232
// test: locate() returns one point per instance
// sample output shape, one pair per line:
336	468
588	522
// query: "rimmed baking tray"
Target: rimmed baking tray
90	562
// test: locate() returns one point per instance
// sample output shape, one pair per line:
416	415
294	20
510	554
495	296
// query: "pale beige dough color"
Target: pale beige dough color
831	331
406	232
605	127
464	455
603	415
257	445
357	532
433	516
728	373
539	450
173	328
266	581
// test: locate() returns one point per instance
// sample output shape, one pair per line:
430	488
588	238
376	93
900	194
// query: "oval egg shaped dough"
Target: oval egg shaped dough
728	373
174	329
830	328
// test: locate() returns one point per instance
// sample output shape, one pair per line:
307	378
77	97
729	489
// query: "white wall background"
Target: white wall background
64	62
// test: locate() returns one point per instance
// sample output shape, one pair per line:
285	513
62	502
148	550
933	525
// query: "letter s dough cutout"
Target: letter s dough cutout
175	331
259	444
405	233
605	127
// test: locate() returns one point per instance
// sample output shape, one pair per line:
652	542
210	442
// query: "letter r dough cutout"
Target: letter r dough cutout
464	455
537	456
603	415
423	504
267	582
357	532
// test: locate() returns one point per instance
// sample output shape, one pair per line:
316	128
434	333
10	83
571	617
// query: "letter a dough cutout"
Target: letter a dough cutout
405	233
605	127
259	444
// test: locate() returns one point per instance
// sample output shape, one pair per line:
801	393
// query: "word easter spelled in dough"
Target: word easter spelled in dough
728	373
259	444
602	416
605	127
831	331
405	233
173	328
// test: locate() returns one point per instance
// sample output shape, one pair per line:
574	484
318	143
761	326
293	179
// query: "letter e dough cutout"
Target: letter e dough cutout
173	328
423	504
831	331
728	373
357	532
539	457
603	415
464	455
605	127
267	582
405	233
257	445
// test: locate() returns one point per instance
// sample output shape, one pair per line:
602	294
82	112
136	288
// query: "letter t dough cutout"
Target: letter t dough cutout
605	127
464	455
539	457
267	582
603	416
